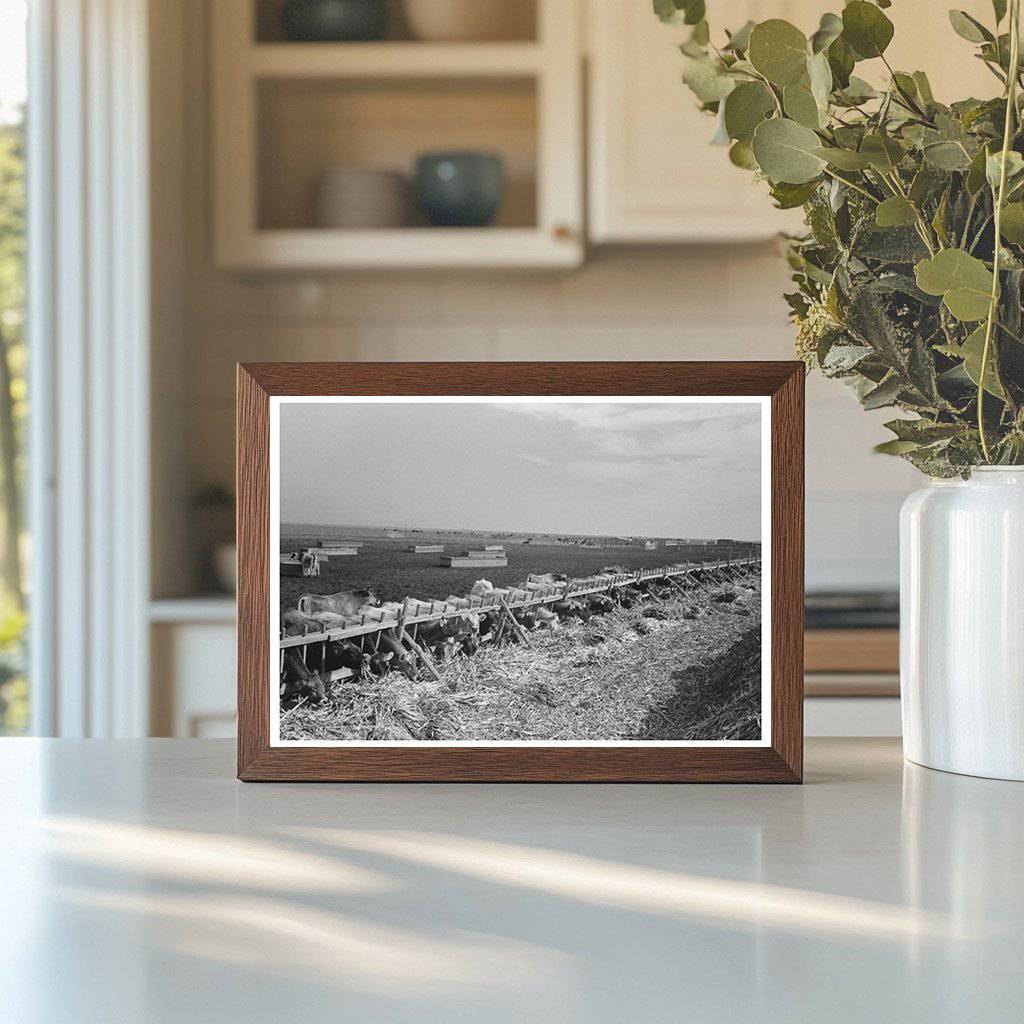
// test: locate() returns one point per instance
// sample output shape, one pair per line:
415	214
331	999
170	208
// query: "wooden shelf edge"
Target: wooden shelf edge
319	248
393	60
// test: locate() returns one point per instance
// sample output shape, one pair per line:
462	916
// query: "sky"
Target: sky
650	469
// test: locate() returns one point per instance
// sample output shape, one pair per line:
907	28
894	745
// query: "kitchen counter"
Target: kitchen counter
140	882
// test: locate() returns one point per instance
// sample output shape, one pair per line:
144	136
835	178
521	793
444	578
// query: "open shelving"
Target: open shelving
286	113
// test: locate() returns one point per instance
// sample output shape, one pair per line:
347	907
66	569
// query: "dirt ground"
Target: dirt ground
693	674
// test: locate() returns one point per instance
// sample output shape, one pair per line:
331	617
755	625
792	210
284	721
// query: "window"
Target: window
14	691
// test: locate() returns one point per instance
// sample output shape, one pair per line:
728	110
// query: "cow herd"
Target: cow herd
306	670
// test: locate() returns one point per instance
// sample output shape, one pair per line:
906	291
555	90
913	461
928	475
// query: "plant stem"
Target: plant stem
1011	109
853	185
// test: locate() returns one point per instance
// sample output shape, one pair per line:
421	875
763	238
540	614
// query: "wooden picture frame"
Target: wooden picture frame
780	757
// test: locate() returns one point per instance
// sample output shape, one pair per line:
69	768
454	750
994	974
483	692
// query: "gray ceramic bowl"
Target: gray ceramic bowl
460	189
333	21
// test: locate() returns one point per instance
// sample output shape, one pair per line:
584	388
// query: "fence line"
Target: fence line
413	611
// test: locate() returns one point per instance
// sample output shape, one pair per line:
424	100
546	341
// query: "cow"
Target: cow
489	625
345	602
298	681
344	654
545	618
379	664
600	604
571	609
526	617
401	660
547	579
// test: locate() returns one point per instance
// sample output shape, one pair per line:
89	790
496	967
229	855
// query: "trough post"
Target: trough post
516	627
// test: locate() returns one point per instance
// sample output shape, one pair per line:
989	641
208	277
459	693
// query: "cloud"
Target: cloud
723	435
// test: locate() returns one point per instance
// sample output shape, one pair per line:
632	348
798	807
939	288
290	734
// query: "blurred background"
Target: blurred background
361	180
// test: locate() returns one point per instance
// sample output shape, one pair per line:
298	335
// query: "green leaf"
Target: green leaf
947	156
969	28
922	431
844	159
739	41
976	173
885	394
788	197
779	51
829	30
801	106
689	12
1012	224
741	155
963	281
787	151
895	447
857	91
922	185
924	88
999	9
841	63
993	167
866	29
819	75
971	351
883	152
701	34
745	108
895	212
707	78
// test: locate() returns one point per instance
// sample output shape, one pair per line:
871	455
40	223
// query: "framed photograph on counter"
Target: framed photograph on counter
520	571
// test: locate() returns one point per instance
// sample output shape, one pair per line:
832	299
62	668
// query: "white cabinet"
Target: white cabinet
286	114
653	177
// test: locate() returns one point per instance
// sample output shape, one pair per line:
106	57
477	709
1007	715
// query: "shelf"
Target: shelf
402	248
206	609
286	114
393	60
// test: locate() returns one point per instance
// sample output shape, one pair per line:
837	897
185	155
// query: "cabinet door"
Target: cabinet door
654	177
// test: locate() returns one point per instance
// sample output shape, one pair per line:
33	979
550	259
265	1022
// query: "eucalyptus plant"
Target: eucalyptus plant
910	277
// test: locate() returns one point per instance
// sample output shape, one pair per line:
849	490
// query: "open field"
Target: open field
386	566
694	673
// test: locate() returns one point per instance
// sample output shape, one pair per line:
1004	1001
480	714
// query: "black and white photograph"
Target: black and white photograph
520	570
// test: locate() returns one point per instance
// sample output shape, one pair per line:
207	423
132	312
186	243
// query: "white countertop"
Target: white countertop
140	882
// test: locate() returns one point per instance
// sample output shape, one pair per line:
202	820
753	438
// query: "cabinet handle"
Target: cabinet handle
562	232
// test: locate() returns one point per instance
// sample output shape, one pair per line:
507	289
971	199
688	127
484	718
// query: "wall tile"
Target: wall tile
437	342
502	299
397	296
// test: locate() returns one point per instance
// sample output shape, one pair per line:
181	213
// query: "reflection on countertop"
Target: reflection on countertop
143	883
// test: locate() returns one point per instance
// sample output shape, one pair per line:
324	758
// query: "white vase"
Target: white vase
962	624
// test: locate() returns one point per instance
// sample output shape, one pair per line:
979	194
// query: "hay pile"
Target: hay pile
691	672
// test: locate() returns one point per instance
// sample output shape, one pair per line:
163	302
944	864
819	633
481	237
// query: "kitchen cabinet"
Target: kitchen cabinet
654	177
287	114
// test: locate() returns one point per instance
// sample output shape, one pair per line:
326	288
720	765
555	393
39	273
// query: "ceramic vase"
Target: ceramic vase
962	624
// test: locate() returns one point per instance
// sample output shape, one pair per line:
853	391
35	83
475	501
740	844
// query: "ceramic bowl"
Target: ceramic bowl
460	189
359	197
470	20
333	21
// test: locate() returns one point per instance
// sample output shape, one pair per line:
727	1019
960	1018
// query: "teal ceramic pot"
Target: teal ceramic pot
460	189
334	21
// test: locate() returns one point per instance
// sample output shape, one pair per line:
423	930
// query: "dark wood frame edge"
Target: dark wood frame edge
780	762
